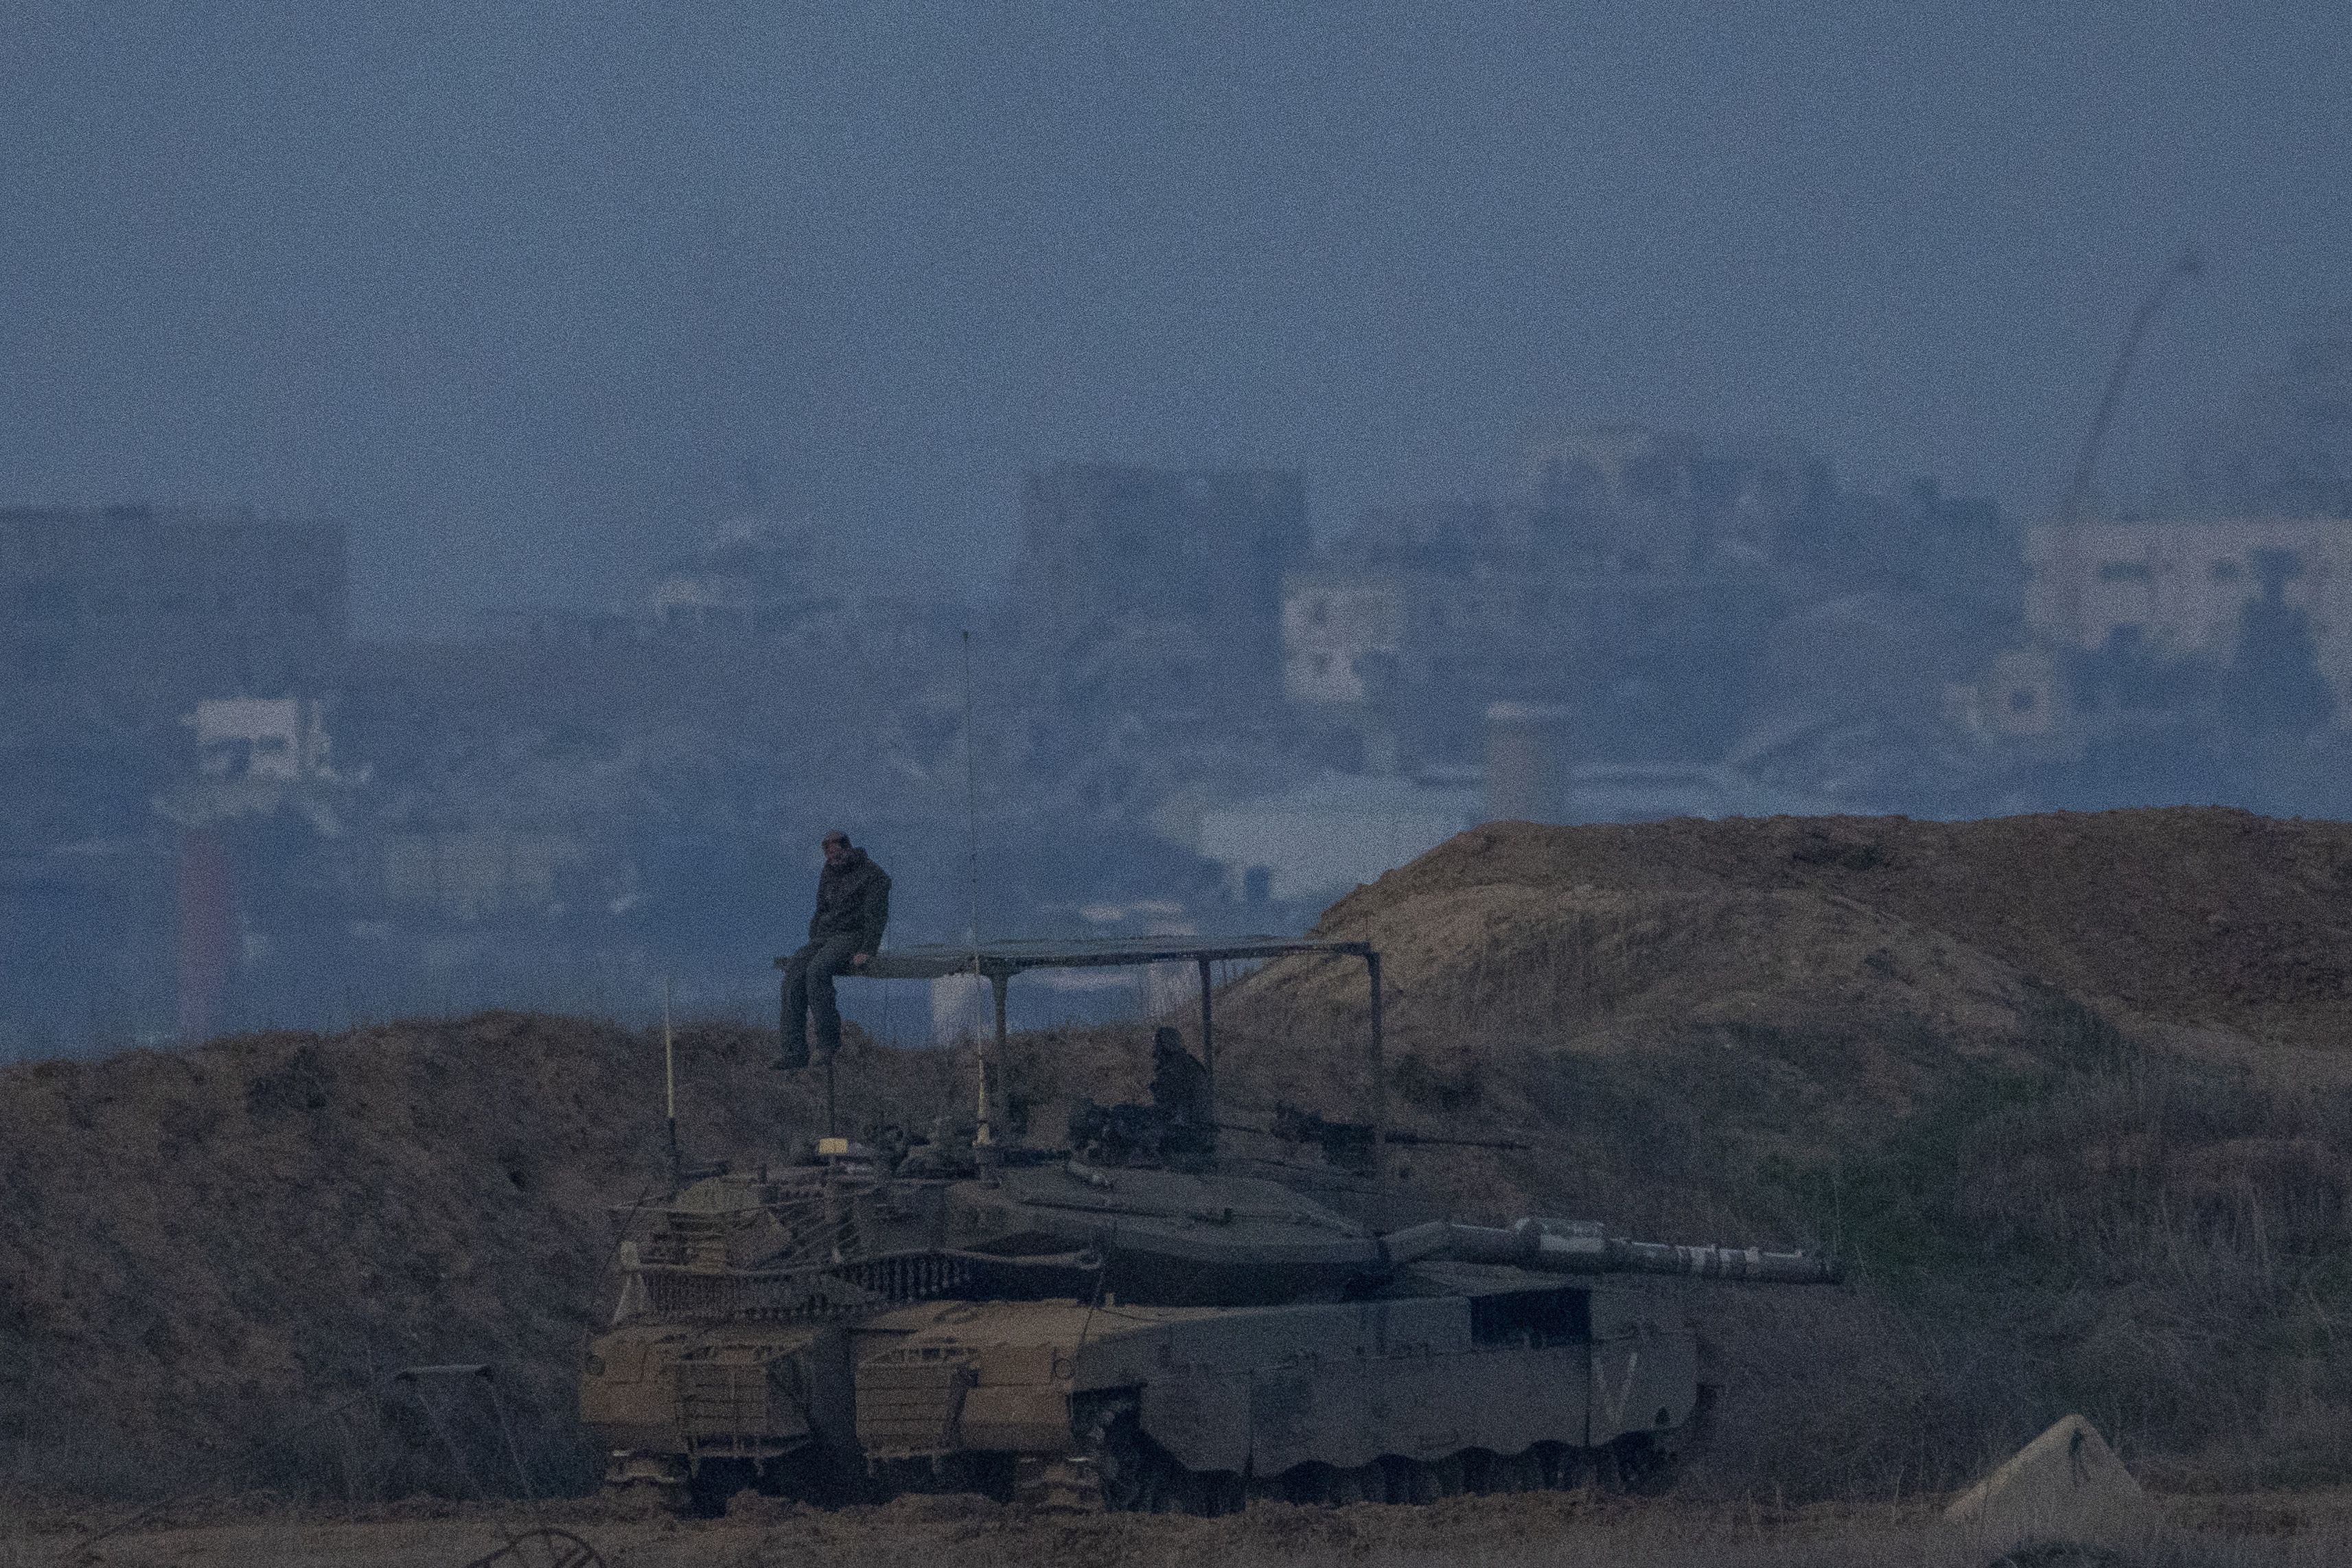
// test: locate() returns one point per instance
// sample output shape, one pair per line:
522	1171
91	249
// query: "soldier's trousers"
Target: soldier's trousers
808	991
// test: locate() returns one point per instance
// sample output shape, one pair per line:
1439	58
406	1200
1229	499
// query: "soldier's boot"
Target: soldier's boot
791	1016
794	1054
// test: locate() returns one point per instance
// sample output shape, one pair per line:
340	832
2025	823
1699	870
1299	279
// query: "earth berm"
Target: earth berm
2071	1092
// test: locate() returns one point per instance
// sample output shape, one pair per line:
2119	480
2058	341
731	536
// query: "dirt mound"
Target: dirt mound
2200	916
1897	1039
2069	1092
202	1253
1842	967
1557	1529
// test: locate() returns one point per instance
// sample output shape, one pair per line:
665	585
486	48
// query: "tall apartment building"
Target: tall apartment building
1205	551
138	612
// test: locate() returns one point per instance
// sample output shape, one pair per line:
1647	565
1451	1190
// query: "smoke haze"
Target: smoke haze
516	291
483	486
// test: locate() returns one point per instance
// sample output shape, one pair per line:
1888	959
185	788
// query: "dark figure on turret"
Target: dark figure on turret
852	905
1180	1084
1178	1130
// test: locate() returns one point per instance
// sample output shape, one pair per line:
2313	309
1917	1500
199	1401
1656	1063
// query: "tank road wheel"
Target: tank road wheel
1646	1465
651	1480
1220	1492
1365	1483
1409	1481
1130	1473
1315	1483
716	1480
1182	1491
1304	1486
1516	1473
1448	1476
1045	1485
1114	1439
1565	1468
1136	1475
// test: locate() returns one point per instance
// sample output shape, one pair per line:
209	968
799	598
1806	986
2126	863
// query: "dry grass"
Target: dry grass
1569	1530
2077	1221
1855	1035
2143	1215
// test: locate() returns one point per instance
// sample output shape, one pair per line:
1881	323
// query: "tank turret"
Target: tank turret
1130	1337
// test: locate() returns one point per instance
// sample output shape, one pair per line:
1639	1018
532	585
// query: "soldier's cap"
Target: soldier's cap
836	837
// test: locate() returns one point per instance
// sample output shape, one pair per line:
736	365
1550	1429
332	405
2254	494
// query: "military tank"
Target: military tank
1129	1325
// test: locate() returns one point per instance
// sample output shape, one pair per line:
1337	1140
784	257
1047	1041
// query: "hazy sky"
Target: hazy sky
516	289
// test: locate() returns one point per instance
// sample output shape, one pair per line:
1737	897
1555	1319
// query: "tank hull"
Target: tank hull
1510	1383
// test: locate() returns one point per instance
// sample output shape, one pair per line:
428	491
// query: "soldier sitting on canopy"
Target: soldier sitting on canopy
853	906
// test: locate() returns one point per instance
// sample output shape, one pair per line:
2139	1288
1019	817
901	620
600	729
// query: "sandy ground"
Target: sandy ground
1552	1529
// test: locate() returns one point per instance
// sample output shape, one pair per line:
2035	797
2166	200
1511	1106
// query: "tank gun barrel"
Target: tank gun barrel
1751	1263
1583	1247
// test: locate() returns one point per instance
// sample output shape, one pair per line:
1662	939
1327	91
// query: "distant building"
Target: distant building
554	625
140	612
1103	547
279	738
470	874
1624	570
1630	498
2173	591
1401	656
1350	637
752	577
2022	698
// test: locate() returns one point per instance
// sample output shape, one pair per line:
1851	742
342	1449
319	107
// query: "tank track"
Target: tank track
1118	1469
1121	1470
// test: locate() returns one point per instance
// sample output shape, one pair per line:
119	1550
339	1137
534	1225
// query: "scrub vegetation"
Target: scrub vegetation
2067	1093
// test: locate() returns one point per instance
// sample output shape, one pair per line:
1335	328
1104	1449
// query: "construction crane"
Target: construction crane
2188	264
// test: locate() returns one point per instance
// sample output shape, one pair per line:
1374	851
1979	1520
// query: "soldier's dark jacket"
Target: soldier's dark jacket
852	901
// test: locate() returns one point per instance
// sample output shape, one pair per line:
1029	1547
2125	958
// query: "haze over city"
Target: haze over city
516	291
481	488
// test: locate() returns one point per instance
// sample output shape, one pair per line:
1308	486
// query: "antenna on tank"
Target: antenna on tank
669	1081
970	802
971	844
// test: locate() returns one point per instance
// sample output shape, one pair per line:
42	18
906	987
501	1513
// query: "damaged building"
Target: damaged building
135	644
132	614
1627	576
2203	647
1154	588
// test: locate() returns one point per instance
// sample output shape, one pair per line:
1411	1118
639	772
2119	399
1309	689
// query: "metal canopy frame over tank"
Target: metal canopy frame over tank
999	962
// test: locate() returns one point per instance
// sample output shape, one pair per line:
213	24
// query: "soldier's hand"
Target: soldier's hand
858	959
